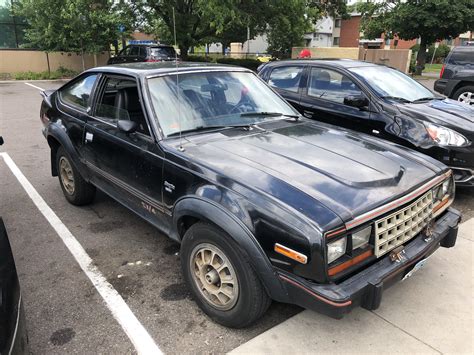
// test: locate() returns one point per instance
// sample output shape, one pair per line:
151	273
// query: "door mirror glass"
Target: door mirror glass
358	101
127	126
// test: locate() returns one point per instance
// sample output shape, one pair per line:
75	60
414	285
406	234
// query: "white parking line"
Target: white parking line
143	342
34	86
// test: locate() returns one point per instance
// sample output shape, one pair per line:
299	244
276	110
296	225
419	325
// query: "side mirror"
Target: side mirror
358	101
127	126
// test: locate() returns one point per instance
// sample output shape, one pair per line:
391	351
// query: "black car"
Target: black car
265	203
382	102
13	335
144	53
456	79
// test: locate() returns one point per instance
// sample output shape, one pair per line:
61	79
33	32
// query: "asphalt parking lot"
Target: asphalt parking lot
64	312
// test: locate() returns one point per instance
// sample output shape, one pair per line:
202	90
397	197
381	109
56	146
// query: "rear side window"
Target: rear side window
135	51
461	57
163	52
78	94
286	78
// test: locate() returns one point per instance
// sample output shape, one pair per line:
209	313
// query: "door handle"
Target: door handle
89	137
308	113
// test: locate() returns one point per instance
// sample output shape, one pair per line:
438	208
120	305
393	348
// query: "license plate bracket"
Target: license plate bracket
419	265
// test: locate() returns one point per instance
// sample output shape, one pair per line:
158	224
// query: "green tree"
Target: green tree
82	26
428	20
289	20
226	21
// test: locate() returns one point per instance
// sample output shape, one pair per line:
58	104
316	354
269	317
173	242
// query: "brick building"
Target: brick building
350	36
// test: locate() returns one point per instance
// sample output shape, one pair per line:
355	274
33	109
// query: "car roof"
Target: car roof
144	69
150	45
463	48
343	63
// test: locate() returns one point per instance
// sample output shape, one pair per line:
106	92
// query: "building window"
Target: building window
12	28
335	41
337	23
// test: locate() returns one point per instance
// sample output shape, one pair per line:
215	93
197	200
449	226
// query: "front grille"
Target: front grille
401	226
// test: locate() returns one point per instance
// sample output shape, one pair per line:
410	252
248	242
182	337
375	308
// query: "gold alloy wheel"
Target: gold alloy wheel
67	176
214	276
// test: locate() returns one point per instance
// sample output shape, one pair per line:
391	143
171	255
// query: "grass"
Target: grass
61	73
433	68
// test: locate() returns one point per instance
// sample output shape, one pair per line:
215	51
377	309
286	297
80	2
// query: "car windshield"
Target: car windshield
392	84
163	52
213	100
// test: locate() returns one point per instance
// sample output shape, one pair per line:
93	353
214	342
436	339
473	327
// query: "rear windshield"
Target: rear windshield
163	52
461	57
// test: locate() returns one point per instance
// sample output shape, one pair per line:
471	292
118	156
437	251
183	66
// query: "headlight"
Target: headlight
446	188
361	238
336	249
445	136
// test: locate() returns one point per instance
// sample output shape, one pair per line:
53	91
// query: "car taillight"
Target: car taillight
441	72
151	60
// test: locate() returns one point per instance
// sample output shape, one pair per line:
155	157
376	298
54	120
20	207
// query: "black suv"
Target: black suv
144	53
265	203
457	75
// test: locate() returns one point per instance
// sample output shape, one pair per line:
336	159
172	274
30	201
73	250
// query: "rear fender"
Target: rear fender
56	135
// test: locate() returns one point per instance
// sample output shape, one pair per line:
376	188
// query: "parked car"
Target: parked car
265	203
382	102
13	333
144	53
456	79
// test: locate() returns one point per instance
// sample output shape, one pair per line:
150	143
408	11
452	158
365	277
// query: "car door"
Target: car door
288	81
128	166
323	99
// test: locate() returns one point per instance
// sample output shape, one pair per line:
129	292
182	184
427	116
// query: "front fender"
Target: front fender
210	211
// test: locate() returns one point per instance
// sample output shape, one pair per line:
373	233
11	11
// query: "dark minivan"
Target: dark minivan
144	53
382	102
456	79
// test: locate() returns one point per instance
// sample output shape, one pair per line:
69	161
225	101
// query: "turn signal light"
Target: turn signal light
290	253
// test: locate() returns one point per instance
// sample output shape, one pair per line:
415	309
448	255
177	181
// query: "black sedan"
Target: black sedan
13	336
265	203
382	102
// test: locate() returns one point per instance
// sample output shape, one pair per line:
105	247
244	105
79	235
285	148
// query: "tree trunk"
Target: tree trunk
183	52
421	58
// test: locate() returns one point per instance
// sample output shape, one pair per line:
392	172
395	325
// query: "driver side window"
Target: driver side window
331	85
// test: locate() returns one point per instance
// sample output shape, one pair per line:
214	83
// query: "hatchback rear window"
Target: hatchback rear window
163	52
461	57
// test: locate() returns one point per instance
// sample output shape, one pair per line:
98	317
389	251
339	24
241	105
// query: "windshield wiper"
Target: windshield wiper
401	99
207	128
427	99
267	113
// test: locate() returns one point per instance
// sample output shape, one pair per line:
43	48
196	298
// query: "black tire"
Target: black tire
82	192
252	300
464	90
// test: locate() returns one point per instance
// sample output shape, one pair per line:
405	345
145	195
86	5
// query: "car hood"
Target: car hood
309	166
445	112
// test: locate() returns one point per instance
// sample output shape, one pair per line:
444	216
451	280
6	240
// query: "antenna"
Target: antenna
180	148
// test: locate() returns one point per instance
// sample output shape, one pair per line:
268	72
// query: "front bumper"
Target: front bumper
463	176
366	287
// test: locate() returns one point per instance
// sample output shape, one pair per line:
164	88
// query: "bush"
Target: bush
61	73
441	53
251	64
200	58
